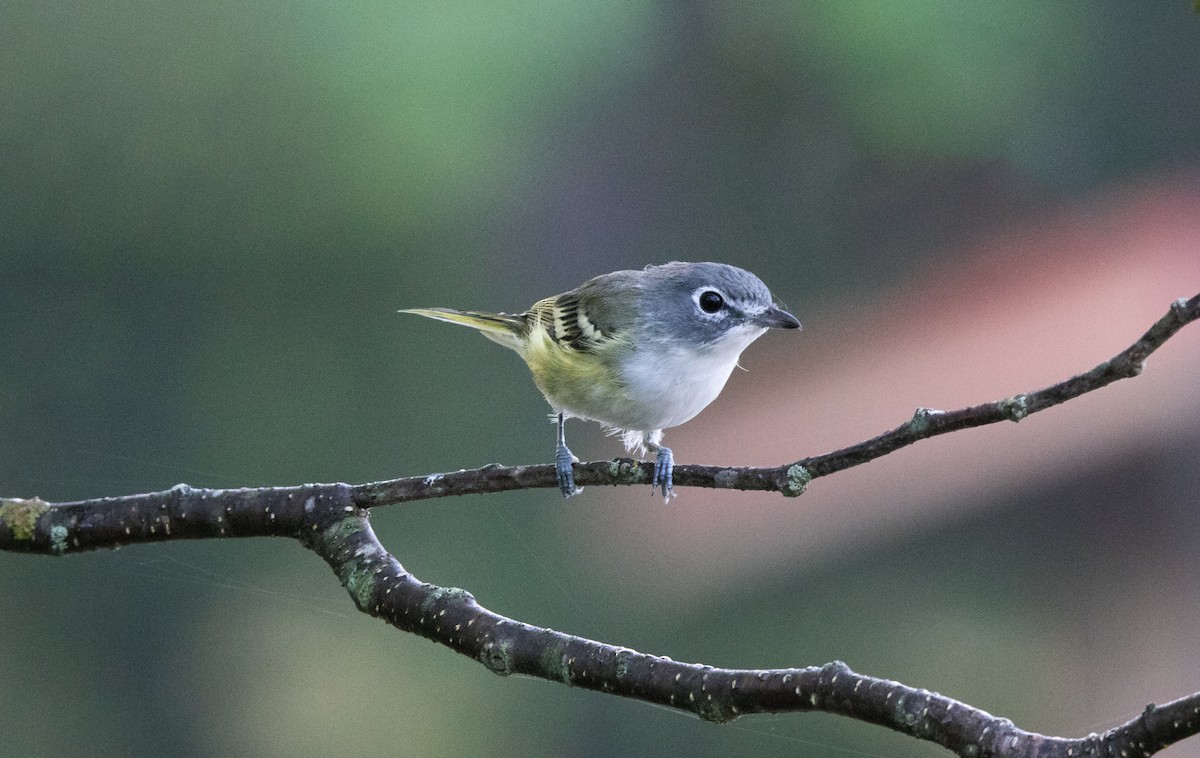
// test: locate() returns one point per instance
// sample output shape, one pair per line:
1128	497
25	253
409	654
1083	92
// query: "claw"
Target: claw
562	471
664	466
562	463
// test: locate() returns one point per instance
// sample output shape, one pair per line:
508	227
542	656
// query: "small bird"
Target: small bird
637	351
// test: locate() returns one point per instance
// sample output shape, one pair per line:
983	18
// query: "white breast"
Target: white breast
671	383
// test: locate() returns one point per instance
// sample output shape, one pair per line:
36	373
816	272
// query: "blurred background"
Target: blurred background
210	212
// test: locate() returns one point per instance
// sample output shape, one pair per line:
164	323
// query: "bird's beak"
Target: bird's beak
775	318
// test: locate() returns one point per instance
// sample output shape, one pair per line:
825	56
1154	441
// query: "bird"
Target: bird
638	351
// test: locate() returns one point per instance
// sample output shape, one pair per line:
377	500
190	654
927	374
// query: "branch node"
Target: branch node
58	539
497	657
1015	408
922	418
622	661
626	471
1130	369
716	712
445	595
21	516
798	478
835	669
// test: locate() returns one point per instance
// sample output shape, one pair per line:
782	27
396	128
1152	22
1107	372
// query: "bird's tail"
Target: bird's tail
505	328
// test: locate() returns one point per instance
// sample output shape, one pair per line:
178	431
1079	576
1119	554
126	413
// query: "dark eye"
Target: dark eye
711	302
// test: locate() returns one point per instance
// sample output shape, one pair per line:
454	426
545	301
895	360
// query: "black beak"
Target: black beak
775	318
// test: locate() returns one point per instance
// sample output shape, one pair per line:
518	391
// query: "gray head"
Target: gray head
706	305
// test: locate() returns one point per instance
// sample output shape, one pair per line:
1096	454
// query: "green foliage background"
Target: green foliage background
210	211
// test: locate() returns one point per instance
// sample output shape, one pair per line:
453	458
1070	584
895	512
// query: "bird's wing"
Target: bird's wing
595	316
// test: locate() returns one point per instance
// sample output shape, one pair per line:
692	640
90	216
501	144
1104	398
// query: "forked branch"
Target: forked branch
332	520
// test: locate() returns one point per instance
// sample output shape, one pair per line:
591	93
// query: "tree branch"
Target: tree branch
791	479
332	520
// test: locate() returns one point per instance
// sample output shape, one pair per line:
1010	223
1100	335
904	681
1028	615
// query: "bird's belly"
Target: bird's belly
656	388
653	400
671	403
672	388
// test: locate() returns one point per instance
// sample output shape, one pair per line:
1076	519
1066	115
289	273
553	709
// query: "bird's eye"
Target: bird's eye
711	302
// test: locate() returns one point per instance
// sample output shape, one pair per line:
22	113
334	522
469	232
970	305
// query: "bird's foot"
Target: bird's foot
664	466
562	471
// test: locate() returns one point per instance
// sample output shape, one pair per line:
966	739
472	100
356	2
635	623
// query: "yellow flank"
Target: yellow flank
584	383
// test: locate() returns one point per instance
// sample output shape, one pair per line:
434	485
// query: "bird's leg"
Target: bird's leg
664	466
562	463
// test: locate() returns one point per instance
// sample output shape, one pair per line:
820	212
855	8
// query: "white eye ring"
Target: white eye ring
710	300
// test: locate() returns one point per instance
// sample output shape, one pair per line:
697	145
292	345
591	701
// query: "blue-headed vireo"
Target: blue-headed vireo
637	351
